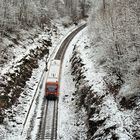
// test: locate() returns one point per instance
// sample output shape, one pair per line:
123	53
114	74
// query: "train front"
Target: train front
51	90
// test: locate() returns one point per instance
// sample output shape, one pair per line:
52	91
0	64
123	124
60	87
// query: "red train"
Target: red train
52	83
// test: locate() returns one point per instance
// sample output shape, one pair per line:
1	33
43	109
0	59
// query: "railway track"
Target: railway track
48	128
62	49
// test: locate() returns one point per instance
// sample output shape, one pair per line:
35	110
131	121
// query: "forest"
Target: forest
15	14
19	15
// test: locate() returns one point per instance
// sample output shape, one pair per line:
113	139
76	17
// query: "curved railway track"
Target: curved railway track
48	123
62	49
48	127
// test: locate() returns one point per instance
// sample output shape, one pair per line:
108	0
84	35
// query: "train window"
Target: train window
51	88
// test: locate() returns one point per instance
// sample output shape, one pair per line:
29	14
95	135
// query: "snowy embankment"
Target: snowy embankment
106	118
70	121
115	39
24	72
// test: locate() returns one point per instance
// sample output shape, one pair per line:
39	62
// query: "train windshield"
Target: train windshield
51	88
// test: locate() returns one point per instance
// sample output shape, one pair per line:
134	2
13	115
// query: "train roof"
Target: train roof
54	70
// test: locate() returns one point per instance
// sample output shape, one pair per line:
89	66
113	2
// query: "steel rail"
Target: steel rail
43	123
54	125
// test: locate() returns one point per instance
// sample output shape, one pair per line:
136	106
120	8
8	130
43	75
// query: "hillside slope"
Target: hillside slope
107	70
